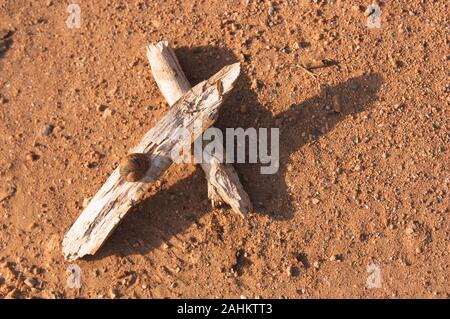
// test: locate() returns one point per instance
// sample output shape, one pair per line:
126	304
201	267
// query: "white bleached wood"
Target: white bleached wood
224	185
117	196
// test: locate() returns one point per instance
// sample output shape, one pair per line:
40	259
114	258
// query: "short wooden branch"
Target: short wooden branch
117	196
224	185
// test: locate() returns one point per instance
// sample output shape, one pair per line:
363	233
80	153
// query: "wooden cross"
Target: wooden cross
117	196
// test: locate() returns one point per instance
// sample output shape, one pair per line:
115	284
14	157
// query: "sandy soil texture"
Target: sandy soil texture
364	157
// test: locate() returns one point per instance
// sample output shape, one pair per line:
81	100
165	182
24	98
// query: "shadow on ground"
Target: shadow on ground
173	210
5	41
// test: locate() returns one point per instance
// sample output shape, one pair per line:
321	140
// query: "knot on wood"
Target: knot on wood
134	166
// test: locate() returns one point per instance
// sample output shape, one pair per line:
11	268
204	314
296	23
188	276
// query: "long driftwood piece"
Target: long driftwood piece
224	185
117	196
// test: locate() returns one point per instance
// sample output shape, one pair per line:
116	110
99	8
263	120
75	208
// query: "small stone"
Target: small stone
316	265
174	285
101	108
31	157
337	106
114	293
409	230
286	49
399	106
320	36
14	294
32	226
4	33
396	63
245	57
3	100
31	282
315	201
292	271
52	294
335	258
108	113
91	164
35	270
418	250
7	191
256	84
112	92
128	280
47	130
356	8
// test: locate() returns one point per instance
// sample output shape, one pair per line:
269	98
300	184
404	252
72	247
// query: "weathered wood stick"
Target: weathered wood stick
224	185
117	196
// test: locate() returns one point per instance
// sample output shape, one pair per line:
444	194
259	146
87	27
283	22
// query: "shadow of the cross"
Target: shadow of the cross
173	210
